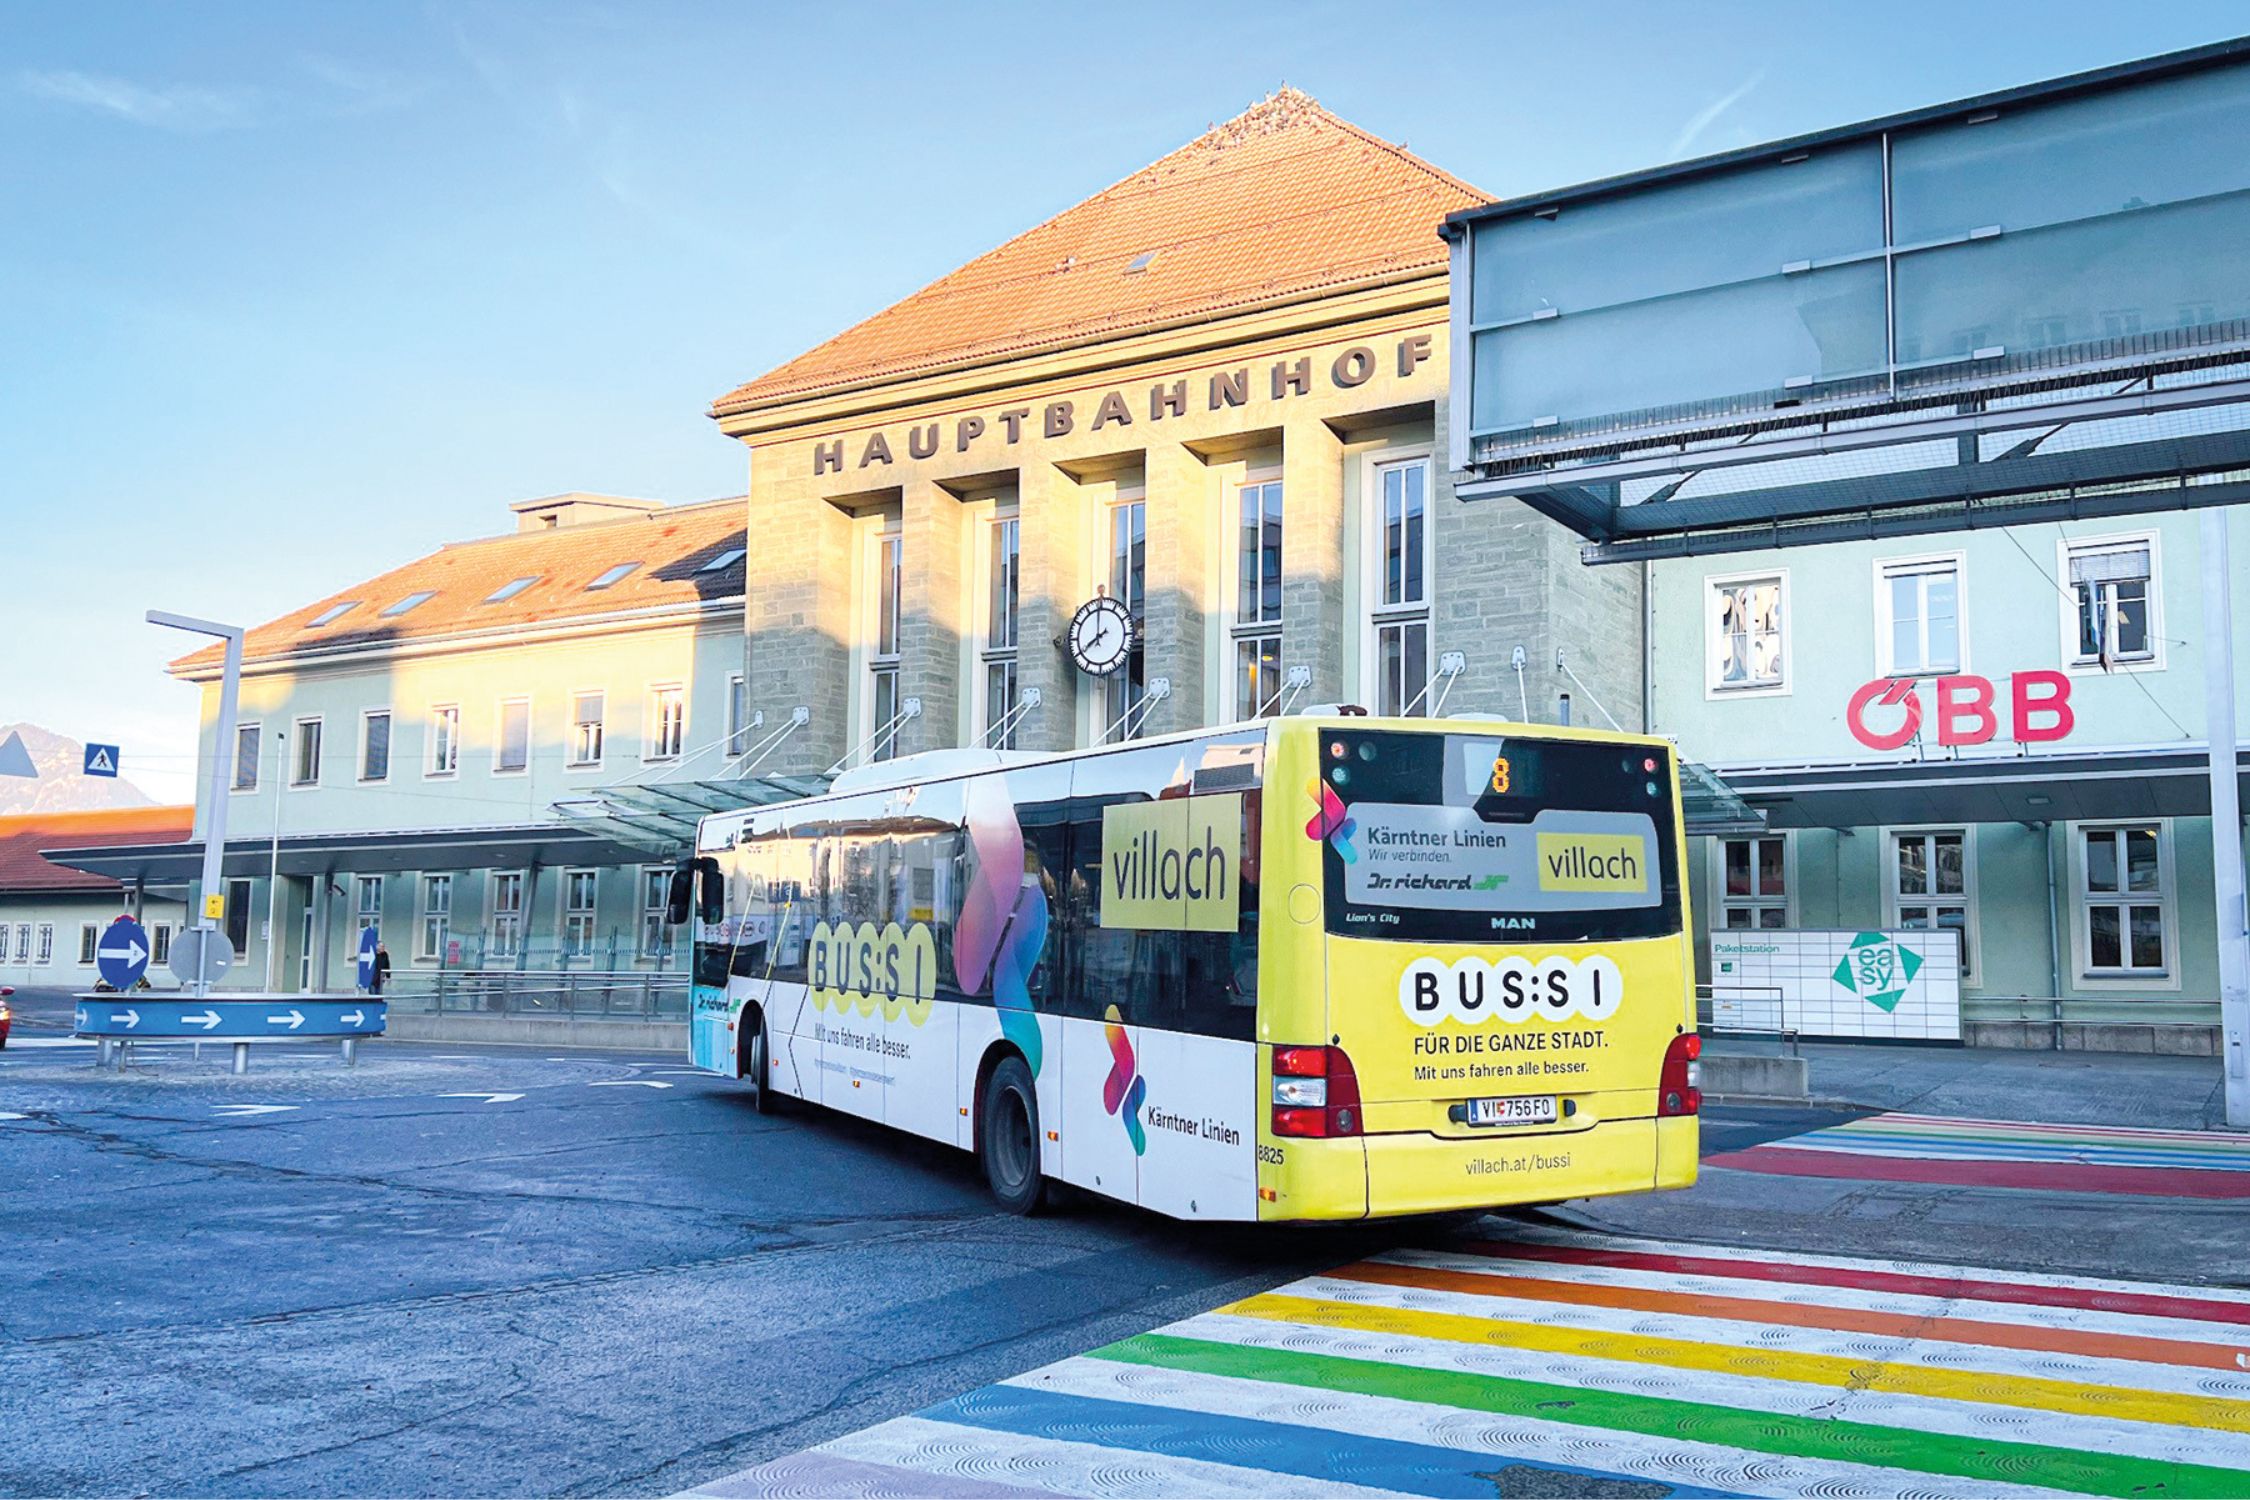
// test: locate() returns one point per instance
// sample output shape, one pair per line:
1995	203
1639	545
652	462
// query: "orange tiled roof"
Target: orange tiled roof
671	545
23	840
1283	201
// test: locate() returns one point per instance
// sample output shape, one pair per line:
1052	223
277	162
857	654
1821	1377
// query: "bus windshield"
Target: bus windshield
1489	838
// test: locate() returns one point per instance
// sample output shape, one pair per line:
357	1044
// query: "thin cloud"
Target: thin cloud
184	106
1704	118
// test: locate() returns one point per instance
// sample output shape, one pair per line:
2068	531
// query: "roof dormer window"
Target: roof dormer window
412	601
332	614
1141	262
612	577
510	589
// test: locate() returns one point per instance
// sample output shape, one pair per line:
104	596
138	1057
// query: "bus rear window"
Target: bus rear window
1487	838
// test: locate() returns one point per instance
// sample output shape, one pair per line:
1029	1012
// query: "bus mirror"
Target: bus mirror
679	896
711	889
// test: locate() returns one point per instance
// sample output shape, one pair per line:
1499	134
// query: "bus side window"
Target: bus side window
1046	840
1219	980
1136	970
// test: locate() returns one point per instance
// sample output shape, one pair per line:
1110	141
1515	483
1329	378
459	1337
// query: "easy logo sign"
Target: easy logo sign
1965	715
1474	990
1878	969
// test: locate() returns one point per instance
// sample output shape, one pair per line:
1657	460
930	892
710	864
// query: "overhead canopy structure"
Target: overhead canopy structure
2028	306
660	817
173	868
2160	781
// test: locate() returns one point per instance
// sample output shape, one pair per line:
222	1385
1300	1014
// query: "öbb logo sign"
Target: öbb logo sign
1473	990
1965	713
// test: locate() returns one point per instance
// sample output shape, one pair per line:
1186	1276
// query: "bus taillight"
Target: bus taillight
1315	1092
1677	1091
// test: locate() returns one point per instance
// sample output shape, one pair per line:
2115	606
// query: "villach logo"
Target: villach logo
1878	969
1331	822
1124	1090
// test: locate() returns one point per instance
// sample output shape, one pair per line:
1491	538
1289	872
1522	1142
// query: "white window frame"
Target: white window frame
430	941
500	734
569	917
653	746
1110	697
390	743
298	740
656	879
1886	569
89	943
46	948
1972	942
1375	615
2068	546
881	664
495	880
572	759
2167	896
363	915
992	653
1713	689
1240	632
235	783
435	768
23	943
1717	900
159	943
737	708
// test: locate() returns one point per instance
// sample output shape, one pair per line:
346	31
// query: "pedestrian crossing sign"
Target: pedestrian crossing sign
101	760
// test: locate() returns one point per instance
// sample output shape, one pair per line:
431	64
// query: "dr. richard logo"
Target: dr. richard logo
1473	990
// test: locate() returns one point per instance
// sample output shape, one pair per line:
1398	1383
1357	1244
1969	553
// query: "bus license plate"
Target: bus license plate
1526	1109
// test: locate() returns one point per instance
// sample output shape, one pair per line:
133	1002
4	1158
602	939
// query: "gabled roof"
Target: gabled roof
26	840
1282	202
672	546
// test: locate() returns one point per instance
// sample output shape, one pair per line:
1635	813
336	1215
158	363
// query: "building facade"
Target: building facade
52	914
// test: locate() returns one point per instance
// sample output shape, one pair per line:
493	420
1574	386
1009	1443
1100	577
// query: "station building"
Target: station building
52	913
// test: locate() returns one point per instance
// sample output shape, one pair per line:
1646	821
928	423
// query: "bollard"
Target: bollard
124	1055
351	1051
242	1057
101	1053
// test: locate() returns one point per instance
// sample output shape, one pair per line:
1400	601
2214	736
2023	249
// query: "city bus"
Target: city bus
1308	968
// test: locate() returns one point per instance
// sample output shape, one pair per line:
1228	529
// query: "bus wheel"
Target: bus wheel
1008	1139
761	1067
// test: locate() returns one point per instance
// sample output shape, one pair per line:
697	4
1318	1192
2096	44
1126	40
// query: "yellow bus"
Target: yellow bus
1310	968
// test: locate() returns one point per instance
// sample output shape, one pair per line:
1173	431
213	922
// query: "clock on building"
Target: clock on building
1101	635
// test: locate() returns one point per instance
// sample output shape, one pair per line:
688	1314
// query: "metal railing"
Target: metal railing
582	994
1751	1012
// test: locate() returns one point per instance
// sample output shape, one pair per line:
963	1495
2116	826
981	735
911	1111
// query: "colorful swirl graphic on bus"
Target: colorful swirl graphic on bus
1003	925
1331	822
1124	1089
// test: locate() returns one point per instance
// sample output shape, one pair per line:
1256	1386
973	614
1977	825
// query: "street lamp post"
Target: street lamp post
2226	818
215	820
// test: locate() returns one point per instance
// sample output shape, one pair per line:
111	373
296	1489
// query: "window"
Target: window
586	711
410	602
2125	880
1933	885
434	918
2109	618
580	888
511	752
1257	600
46	948
375	745
89	934
367	903
238	917
304	762
1127	566
1400	598
1003	589
1918	617
738	717
1754	881
667	721
246	752
332	614
510	589
611	577
723	561
882	661
1748	650
159	943
507	913
445	739
23	943
656	892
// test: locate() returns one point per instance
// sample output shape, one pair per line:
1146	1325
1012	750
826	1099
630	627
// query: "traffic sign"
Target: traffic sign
201	953
15	760
367	944
121	958
275	1018
101	760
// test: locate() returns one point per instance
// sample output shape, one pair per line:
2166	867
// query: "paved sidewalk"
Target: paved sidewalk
1984	1083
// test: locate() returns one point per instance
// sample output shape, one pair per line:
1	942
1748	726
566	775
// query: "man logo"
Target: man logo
1473	991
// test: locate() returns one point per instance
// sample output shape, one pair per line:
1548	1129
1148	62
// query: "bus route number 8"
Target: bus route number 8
1500	782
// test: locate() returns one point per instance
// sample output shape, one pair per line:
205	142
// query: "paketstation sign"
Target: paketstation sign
1899	986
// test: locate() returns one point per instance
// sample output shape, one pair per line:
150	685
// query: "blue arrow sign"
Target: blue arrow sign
122	955
287	1018
367	944
101	760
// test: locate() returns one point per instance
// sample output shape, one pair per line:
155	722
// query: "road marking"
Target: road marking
629	1083
244	1111
9	1114
1566	1361
487	1098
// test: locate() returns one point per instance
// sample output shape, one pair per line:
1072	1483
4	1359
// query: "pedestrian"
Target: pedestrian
382	970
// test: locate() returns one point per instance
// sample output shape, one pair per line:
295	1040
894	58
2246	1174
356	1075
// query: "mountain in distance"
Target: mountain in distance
62	785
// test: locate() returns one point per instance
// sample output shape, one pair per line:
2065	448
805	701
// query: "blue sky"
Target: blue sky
291	293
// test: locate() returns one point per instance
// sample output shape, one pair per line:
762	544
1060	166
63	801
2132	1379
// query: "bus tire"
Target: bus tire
760	1047
1008	1137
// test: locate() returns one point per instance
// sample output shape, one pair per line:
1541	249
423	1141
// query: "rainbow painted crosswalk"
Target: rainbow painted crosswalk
2009	1154
1558	1363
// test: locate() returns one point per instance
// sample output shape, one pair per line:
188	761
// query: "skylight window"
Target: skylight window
332	614
411	601
613	576
1142	262
723	561
510	589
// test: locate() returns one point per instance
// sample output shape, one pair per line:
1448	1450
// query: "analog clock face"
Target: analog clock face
1101	636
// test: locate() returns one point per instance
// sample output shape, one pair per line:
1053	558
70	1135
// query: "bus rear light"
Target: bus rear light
1315	1092
1678	1089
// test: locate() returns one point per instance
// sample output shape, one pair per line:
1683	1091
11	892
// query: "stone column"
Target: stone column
1180	497
931	626
798	622
1312	557
1053	550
